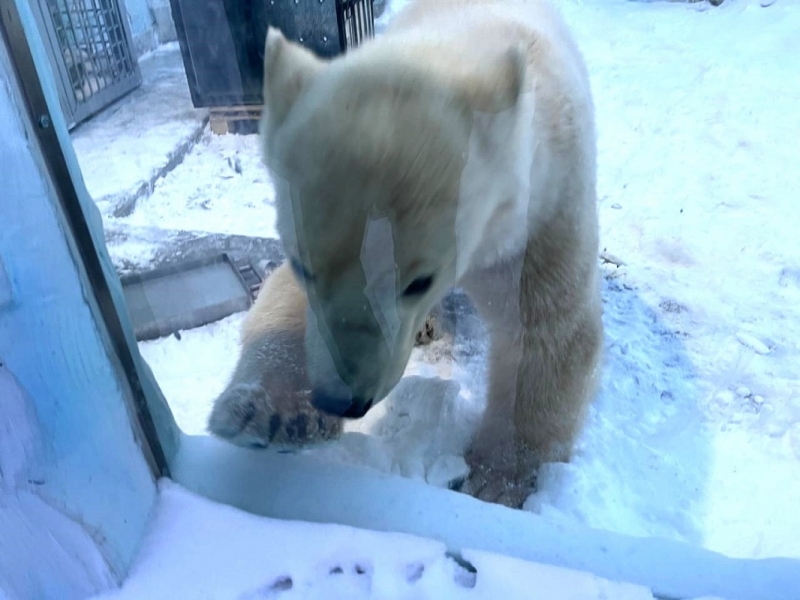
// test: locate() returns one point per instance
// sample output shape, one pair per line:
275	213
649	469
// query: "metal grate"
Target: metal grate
90	48
356	22
93	43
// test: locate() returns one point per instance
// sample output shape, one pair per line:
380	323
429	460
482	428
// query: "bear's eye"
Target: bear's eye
299	270
419	286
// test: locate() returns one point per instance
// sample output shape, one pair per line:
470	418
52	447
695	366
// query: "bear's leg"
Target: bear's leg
542	371
267	401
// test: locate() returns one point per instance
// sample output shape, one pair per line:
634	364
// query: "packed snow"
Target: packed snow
695	435
271	559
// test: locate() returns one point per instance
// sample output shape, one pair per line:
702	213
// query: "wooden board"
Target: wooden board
235	119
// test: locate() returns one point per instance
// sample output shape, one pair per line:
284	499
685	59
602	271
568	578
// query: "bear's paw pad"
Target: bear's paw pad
495	486
244	415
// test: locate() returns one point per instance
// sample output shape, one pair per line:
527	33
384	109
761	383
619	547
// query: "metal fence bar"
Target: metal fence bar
91	49
356	22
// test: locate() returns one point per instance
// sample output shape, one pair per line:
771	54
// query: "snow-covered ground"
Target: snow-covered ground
221	186
695	435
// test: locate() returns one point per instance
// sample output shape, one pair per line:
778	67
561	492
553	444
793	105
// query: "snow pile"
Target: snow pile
32	531
243	557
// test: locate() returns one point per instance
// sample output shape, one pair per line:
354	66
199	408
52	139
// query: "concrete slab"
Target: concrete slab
135	249
188	295
126	148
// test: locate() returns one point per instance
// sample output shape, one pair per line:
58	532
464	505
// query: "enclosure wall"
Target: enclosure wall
75	487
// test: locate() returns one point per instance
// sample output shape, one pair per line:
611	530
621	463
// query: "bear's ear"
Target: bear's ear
288	70
496	83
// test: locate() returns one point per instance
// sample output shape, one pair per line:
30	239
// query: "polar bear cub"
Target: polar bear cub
457	149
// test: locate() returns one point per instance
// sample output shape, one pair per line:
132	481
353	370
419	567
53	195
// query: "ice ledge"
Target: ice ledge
299	488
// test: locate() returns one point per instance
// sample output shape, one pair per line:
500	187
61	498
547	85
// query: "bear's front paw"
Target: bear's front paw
497	486
501	472
244	415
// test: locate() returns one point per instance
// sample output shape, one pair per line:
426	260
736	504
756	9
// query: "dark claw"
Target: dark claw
274	426
301	424
456	484
249	412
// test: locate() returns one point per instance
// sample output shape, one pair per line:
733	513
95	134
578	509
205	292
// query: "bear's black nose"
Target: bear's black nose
340	406
358	409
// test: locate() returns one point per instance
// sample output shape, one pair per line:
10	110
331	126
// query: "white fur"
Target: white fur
457	147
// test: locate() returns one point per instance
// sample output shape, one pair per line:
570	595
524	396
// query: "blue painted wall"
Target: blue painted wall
87	464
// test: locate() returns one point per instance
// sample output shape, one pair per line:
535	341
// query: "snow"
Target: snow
268	558
220	187
695	435
126	147
32	531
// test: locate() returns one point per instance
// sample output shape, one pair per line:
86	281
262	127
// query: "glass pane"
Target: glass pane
543	263
686	423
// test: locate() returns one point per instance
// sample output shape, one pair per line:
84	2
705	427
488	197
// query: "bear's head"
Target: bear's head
369	154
